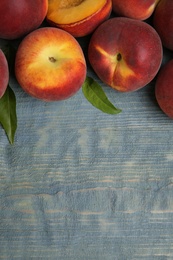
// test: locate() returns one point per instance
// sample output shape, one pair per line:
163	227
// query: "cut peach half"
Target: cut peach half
78	17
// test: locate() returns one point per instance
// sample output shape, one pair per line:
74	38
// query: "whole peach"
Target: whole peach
163	22
50	64
19	17
135	9
164	89
4	73
125	53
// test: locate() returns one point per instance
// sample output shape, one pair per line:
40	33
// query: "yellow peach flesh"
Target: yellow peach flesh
72	11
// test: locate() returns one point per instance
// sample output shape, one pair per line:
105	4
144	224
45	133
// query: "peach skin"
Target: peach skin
126	54
19	17
4	73
163	22
135	9
50	64
164	89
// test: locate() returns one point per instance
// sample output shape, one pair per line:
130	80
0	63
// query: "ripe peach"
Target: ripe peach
78	17
135	9
125	53
164	88
4	73
19	17
50	64
163	22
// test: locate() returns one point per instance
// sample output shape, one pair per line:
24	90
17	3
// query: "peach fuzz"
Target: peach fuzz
19	17
4	73
135	9
163	22
164	89
78	17
50	64
126	54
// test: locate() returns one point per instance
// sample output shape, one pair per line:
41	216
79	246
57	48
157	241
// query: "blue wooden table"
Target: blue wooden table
80	184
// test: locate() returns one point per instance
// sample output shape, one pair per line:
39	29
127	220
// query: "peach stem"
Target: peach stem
52	59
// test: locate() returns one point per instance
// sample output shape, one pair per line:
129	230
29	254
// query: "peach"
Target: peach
4	73
135	9
164	88
50	64
125	53
78	17
19	17
163	22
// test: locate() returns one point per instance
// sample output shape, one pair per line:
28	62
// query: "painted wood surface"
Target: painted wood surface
80	184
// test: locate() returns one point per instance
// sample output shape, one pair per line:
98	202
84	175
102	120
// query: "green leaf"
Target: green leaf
8	118
97	97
